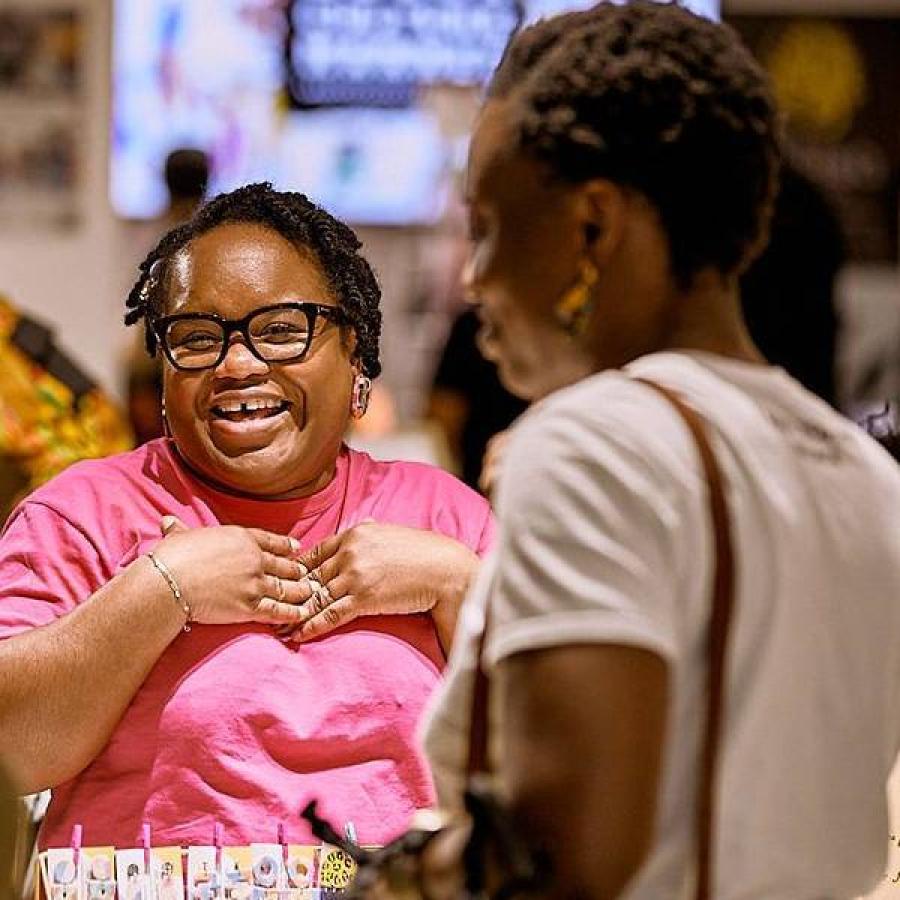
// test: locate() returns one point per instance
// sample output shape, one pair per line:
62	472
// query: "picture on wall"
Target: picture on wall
41	109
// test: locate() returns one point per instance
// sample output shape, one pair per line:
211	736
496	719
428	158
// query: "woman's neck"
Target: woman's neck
297	492
708	318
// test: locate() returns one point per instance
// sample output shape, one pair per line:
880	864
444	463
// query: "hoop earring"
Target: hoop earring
574	309
362	392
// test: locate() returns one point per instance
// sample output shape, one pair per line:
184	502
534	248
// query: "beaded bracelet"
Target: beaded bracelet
169	578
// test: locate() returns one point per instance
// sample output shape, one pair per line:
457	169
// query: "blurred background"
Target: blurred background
118	114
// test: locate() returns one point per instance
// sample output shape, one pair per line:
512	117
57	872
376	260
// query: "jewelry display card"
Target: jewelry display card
255	872
168	877
133	875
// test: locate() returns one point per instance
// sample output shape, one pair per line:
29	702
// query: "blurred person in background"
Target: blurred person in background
186	173
621	180
51	413
228	621
468	399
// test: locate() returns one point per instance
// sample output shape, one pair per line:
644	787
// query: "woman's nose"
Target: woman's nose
240	361
468	279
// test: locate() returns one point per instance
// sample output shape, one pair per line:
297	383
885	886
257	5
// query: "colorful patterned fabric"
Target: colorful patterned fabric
44	426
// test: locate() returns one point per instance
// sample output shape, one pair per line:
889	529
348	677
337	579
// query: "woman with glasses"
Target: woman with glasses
246	614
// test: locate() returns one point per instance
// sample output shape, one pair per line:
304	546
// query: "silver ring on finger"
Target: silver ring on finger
313	582
323	598
279	588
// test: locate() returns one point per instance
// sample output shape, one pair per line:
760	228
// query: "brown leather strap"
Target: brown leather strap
717	642
478	720
717	638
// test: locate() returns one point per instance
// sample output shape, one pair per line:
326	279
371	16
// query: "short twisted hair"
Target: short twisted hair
295	218
655	98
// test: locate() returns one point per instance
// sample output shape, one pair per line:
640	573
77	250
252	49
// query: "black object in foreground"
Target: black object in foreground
397	865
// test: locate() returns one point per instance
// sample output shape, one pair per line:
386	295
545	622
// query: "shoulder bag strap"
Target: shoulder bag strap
717	641
717	637
478	720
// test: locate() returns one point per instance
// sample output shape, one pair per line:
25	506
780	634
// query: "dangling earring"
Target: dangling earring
362	391
165	421
575	307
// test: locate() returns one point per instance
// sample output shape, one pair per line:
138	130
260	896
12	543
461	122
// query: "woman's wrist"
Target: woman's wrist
452	584
460	575
175	594
168	613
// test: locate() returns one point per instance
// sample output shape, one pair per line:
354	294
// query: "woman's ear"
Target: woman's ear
350	343
603	210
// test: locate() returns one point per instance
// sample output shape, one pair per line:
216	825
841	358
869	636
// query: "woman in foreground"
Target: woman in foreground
620	180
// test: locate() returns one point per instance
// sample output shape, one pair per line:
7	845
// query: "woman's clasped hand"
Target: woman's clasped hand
229	574
377	568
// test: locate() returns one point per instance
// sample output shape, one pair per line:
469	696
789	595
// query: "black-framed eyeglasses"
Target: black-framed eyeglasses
281	333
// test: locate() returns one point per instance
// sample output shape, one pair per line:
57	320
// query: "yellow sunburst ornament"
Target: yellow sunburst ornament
336	868
819	77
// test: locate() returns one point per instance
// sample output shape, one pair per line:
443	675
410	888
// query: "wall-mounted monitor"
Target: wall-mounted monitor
380	52
211	74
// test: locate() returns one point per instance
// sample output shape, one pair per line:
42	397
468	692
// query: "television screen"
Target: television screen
378	53
210	74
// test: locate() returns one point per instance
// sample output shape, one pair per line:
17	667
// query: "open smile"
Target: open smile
250	410
249	423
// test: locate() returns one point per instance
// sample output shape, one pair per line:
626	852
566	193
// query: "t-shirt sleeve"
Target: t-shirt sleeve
450	507
47	567
586	549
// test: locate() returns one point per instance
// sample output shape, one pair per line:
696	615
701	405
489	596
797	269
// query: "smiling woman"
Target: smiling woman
319	587
246	280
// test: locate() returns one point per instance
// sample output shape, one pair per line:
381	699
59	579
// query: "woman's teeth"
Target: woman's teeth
254	409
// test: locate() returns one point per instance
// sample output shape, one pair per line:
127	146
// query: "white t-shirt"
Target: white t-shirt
605	536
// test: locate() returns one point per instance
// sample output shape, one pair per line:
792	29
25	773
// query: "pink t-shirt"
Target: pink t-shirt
232	725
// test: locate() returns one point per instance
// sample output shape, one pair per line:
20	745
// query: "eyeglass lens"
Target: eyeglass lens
276	335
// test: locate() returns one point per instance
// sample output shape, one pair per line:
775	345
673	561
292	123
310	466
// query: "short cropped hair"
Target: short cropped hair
655	98
296	218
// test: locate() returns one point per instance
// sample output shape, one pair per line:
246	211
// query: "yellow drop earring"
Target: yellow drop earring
574	309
